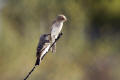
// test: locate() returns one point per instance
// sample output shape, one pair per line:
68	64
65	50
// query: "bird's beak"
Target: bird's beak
65	19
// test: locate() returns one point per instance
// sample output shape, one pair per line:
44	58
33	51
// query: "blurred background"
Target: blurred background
88	50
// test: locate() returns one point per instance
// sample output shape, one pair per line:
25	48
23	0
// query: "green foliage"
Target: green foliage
90	41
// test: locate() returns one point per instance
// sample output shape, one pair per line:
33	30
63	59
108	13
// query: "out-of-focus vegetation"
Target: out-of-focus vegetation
88	50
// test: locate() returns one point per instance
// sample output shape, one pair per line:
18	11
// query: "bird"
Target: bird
43	47
56	29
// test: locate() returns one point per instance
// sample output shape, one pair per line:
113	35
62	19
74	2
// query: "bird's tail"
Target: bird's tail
37	61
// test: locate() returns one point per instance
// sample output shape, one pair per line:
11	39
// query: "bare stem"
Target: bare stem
44	55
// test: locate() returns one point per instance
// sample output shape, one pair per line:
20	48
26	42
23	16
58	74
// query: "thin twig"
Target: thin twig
30	73
43	56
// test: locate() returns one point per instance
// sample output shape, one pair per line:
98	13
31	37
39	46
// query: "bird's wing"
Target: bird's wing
40	45
39	49
42	48
42	52
45	50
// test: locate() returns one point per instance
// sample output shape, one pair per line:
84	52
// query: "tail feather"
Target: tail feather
37	61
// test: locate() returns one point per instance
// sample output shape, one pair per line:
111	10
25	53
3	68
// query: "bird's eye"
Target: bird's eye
62	18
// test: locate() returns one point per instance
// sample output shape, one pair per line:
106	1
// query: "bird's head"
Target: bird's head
61	18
